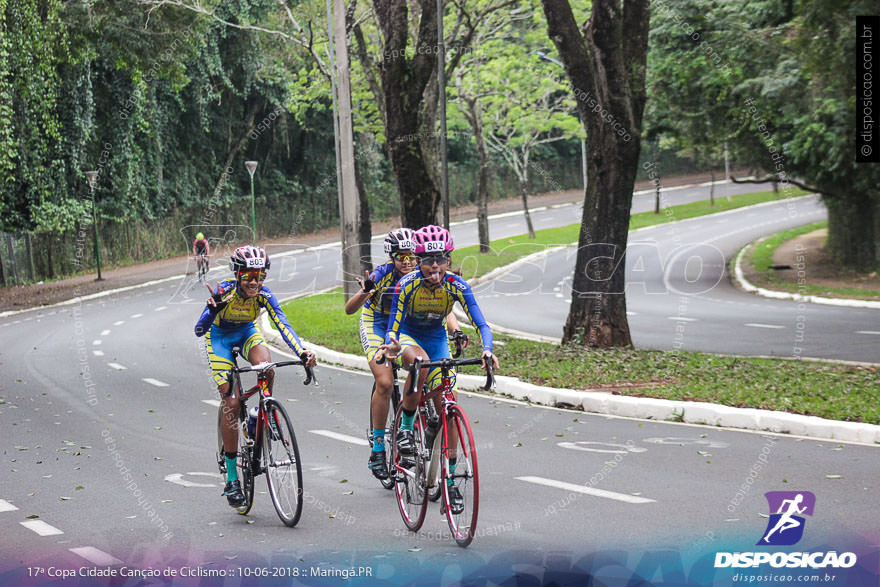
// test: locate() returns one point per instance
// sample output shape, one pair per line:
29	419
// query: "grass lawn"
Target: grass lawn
829	391
761	257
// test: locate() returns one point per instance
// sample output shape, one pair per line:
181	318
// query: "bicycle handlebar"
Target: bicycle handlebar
419	364
261	368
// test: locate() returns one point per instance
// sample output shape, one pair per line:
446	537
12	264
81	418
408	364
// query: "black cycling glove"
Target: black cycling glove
219	301
368	286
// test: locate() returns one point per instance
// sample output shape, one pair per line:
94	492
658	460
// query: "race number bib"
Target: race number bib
256	262
435	247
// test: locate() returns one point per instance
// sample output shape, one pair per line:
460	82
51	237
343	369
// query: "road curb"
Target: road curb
601	402
744	284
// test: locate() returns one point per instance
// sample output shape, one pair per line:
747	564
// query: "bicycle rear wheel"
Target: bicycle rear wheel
243	462
388	482
466	478
282	463
408	472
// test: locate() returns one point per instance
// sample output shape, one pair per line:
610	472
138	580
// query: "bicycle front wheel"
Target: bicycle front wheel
465	479
408	472
282	463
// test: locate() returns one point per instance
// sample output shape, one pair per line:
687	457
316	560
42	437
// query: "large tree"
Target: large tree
605	61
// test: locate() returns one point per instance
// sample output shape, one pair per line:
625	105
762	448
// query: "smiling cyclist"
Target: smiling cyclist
229	320
421	301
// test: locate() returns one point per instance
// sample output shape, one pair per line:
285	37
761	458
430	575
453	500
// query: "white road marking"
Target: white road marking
119	323
342	437
135	315
105	332
97	557
615	448
586	490
682	318
160	308
212	402
317	267
155	382
628	313
867	332
117	366
98	353
41	528
178	479
757	325
5	506
96	342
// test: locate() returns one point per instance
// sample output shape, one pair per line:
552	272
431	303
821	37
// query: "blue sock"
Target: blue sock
378	440
231	470
406	419
449	481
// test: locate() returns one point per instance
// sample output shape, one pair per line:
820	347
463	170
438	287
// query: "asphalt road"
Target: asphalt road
108	463
679	294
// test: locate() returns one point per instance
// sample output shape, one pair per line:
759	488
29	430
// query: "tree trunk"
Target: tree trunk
606	66
851	237
403	84
364	228
476	120
712	190
523	190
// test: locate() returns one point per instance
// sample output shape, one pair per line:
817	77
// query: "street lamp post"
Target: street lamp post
252	167
92	176
546	57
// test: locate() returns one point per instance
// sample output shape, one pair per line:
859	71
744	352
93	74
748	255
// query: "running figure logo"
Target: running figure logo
786	526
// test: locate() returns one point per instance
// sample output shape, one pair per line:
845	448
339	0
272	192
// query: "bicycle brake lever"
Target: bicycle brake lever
310	377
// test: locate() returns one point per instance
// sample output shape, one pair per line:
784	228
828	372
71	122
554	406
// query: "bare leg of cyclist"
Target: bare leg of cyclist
228	428
411	401
382	396
260	354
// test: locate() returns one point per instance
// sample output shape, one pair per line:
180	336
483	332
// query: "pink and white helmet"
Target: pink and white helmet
249	257
433	239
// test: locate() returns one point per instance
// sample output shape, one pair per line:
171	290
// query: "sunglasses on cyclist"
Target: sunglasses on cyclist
252	276
431	259
403	257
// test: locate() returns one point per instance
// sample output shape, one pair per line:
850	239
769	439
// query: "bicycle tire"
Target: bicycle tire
242	462
466	478
409	481
387	482
282	463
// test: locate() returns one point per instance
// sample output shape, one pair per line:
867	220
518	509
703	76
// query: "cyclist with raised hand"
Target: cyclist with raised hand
421	301
230	320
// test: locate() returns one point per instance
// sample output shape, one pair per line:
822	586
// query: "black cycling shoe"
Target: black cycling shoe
406	442
456	501
233	493
377	465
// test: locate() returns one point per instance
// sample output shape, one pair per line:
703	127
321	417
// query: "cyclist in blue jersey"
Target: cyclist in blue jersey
377	290
230	320
421	300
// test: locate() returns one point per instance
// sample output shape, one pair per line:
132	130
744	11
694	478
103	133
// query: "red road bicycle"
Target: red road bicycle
412	473
270	447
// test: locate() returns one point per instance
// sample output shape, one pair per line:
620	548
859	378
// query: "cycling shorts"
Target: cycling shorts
219	343
433	342
373	326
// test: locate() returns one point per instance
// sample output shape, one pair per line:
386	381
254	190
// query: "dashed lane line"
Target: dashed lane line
105	332
136	316
160	308
867	332
5	506
41	528
342	437
96	342
758	325
98	353
117	366
155	382
99	558
682	319
586	490
119	323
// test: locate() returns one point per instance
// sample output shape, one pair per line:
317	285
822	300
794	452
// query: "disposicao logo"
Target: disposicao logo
785	528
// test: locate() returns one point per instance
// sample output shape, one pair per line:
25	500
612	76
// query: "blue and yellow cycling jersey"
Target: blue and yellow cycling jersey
240	312
385	277
417	308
